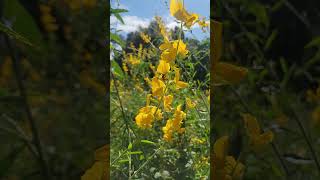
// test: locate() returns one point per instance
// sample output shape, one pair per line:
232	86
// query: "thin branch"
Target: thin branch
23	94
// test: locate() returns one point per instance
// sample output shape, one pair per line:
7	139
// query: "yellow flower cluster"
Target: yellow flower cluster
147	115
174	125
225	167
167	78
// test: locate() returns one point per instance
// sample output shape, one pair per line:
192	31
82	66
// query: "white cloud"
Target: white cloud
131	23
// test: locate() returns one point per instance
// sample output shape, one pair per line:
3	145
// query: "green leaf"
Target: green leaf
148	142
135	152
123	161
116	69
271	39
314	42
117	15
22	21
14	34
130	146
114	11
117	39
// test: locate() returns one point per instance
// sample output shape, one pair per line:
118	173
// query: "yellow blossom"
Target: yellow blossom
163	67
174	125
171	49
133	60
179	84
225	167
145	37
162	28
257	138
147	115
190	104
167	101
158	87
178	11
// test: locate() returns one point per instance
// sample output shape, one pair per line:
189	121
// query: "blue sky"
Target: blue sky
141	12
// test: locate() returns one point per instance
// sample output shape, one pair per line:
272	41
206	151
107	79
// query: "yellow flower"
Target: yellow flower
124	66
225	167
145	37
162	29
190	104
163	67
223	73
167	101
147	115
133	60
178	11
174	125
257	138
203	24
179	84
158	87
171	49
234	169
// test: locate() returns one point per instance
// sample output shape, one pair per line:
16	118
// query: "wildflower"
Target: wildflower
163	67
147	115
145	37
190	104
171	49
167	101
257	138
203	24
133	60
178	11
225	167
158	87
179	84
124	66
162	28
174	125
224	73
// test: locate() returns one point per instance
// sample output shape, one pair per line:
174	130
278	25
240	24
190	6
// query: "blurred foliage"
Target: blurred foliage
278	42
63	72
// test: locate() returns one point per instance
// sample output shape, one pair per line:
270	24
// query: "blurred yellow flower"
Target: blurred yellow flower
145	37
190	104
257	138
315	116
48	21
163	67
225	167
